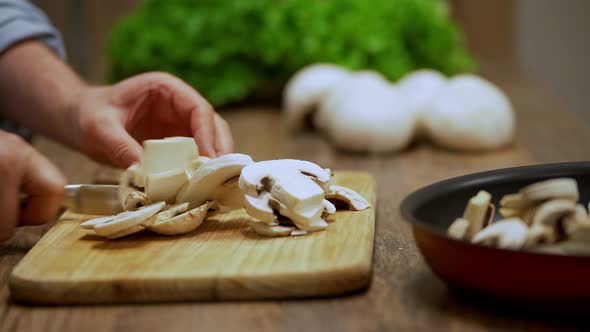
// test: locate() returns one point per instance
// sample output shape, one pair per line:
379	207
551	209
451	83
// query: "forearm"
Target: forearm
37	89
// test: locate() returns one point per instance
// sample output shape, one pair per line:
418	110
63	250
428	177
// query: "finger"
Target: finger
224	142
9	203
185	100
203	129
122	150
13	154
44	184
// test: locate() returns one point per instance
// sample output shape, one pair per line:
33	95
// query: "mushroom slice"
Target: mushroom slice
354	200
183	223
134	200
210	176
510	213
228	196
539	234
197	163
479	212
581	233
513	201
136	176
329	208
89	224
505	234
260	177
265	229
125	232
260	208
552	213
298	232
293	189
161	155
579	217
127	220
560	188
164	186
168	212
458	229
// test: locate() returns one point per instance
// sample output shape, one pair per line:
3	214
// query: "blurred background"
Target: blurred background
545	38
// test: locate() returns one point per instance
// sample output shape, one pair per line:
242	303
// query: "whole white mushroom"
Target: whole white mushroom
364	113
470	113
305	90
419	88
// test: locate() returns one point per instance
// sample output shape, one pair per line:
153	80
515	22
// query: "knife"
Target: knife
90	199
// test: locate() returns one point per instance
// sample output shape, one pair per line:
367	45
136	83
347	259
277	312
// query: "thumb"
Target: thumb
119	148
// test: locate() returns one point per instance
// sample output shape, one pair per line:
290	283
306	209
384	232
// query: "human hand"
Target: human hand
111	120
23	169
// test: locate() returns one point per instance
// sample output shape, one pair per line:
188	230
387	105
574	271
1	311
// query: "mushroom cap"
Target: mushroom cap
419	88
364	113
470	113
306	88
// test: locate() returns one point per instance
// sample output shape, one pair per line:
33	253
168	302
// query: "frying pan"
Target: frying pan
515	277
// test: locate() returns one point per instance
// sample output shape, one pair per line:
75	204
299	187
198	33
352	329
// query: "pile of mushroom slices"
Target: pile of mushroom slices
173	189
542	217
363	112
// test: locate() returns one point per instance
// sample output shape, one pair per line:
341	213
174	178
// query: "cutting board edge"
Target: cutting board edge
357	278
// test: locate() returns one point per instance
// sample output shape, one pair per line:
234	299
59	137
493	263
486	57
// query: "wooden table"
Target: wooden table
404	296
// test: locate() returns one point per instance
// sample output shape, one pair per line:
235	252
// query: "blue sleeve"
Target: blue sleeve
21	20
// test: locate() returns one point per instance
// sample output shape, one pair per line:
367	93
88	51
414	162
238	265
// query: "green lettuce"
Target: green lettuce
231	50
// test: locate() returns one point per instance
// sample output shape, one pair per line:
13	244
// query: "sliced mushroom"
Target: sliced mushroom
259	177
510	213
171	153
573	220
127	220
560	188
168	212
260	208
329	208
136	176
164	186
125	232
539	235
89	224
458	229
479	212
205	180
265	229
505	234
513	201
228	196
294	191
134	200
552	214
197	163
183	223
298	232
354	200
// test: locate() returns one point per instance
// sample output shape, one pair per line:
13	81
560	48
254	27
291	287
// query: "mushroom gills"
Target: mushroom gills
182	223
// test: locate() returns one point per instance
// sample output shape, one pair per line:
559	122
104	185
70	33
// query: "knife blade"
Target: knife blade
89	199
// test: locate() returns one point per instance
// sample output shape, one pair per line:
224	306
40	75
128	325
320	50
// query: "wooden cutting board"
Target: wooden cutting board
222	259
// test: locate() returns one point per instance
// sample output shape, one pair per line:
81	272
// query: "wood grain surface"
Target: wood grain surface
222	259
404	294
